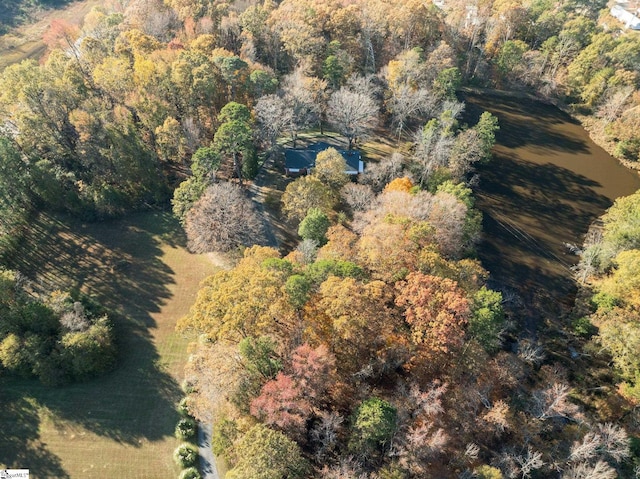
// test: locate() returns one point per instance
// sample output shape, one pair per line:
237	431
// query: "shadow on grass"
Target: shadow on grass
20	445
531	211
16	12
547	182
118	263
525	123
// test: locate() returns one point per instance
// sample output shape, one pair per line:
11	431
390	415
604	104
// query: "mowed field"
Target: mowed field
121	424
25	41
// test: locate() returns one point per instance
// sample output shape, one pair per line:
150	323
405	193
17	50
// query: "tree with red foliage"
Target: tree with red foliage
314	370
61	34
282	404
288	401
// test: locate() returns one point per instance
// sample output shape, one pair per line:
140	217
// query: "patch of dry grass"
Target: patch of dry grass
119	425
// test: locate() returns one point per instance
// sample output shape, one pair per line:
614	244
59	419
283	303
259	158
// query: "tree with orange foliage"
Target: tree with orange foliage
437	312
400	184
357	321
341	244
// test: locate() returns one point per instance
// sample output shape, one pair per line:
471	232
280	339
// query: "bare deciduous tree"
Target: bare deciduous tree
584	470
75	318
467	150
586	449
325	433
447	215
347	468
274	116
612	105
407	104
472	451
614	441
353	114
380	174
432	150
303	107
553	402
452	108
531	353
222	219
590	255
426	403
358	197
529	462
308	250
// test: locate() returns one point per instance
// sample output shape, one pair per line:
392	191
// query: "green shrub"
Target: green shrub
631	389
87	353
373	425
190	473
186	455
186	429
314	226
51	338
604	301
628	149
487	319
436	178
183	407
298	287
186	195
188	387
583	327
392	471
488	472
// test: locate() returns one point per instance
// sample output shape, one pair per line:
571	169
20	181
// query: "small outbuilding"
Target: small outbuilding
300	161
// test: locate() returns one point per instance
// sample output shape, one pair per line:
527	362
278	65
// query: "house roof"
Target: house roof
299	159
628	18
305	158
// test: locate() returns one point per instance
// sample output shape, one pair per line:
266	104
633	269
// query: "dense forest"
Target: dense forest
373	348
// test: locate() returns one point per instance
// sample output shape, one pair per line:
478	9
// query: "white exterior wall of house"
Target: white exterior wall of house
629	19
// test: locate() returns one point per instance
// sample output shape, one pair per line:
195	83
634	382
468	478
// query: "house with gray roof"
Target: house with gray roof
300	161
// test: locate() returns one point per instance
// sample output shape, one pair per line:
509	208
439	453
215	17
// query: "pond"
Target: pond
548	181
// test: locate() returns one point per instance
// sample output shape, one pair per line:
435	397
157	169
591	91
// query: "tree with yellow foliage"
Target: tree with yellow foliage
244	301
624	281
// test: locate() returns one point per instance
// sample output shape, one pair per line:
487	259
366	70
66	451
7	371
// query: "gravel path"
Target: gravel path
207	460
257	194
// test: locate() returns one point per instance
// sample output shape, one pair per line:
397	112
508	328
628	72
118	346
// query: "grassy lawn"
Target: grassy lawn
25	41
119	425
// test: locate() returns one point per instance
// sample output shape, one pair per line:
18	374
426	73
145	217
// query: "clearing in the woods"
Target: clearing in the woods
121	424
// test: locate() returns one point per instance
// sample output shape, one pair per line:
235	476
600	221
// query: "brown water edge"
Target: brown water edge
547	182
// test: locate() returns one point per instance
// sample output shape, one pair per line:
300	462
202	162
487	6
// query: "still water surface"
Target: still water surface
545	185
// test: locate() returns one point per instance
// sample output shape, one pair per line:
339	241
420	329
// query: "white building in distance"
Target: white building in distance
630	19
